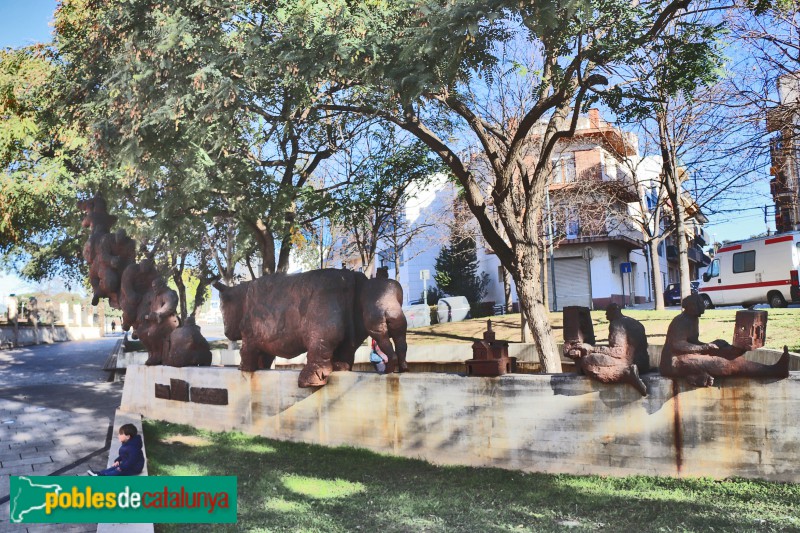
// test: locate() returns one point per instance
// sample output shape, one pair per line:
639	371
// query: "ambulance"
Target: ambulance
760	270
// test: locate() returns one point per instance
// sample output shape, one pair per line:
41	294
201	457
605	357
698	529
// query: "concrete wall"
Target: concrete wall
450	357
47	335
546	423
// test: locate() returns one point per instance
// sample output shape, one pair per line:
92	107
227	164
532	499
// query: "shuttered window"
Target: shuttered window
572	282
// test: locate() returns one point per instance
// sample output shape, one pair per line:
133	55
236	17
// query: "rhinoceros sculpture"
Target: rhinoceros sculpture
326	313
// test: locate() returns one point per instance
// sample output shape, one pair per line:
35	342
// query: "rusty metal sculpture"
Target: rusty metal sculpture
490	356
326	313
622	360
147	304
685	356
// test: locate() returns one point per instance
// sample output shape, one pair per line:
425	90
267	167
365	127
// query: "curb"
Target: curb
121	418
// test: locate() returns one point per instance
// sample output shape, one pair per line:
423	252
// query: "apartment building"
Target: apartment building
598	188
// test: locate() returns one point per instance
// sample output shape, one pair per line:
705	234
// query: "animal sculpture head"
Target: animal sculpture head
232	301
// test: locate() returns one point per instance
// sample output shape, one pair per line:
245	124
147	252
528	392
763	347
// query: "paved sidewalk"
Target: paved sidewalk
56	412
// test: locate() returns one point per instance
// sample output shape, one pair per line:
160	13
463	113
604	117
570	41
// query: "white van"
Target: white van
761	270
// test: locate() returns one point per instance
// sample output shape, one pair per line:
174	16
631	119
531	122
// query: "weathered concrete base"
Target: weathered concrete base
547	423
446	358
46	334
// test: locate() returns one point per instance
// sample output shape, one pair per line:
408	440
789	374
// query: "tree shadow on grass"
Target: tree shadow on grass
412	334
383	493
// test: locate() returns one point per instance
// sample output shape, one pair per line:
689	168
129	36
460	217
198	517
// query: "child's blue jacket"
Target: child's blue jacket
131	457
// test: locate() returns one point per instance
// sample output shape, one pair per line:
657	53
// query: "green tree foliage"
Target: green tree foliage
491	87
457	269
43	168
183	98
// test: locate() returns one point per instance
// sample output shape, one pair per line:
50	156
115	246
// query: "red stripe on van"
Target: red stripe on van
747	285
779	239
729	248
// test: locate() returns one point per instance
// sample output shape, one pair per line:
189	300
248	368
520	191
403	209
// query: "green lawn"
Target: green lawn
286	486
783	327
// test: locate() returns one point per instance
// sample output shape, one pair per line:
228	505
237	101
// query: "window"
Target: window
744	262
609	167
713	270
572	223
564	169
500	273
651	196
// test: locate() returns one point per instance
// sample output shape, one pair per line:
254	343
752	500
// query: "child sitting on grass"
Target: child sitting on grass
131	459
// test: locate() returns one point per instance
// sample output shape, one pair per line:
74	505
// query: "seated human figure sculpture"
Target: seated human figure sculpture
684	355
157	320
624	357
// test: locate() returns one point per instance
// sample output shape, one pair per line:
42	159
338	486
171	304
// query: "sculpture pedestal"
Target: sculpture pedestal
555	423
491	367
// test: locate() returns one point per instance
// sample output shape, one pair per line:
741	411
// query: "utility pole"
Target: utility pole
550	232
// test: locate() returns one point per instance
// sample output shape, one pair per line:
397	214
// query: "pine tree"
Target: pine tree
457	268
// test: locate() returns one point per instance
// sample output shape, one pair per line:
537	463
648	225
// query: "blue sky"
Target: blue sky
24	22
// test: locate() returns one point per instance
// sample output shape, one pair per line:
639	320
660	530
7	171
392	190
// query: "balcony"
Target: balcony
604	232
779	117
697	256
700	238
778	188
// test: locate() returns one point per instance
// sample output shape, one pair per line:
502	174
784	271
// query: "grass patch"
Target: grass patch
782	327
285	486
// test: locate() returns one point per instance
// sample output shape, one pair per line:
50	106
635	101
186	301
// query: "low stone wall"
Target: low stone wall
445	358
47	334
546	423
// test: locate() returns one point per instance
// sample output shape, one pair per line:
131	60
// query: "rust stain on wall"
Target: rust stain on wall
677	433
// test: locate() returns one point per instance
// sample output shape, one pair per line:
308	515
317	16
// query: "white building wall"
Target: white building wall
426	204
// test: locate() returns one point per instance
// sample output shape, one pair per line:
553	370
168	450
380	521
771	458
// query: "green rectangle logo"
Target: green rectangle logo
123	499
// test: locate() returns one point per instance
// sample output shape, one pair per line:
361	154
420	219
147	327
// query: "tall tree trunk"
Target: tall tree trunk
683	252
672	182
200	295
655	264
177	277
266	245
530	298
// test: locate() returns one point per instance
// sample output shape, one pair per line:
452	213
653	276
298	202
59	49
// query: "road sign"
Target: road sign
425	274
625	268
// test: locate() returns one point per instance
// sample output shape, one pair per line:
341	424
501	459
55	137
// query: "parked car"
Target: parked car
672	295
